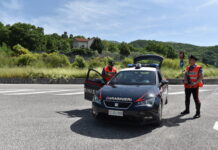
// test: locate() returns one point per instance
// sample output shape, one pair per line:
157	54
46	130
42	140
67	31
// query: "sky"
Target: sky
185	21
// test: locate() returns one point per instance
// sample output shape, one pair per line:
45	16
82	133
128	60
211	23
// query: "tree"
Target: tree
4	34
97	45
124	49
71	36
64	45
51	44
113	48
171	53
65	36
27	35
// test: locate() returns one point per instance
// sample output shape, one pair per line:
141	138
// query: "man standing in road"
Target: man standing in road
109	71
192	81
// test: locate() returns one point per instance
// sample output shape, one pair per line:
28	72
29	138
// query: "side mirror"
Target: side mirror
164	82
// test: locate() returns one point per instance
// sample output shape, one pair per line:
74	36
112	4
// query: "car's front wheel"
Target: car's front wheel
159	116
97	116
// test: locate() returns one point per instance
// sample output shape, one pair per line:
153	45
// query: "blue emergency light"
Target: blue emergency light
144	65
131	65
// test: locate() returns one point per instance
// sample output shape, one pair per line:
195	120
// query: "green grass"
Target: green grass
10	69
55	73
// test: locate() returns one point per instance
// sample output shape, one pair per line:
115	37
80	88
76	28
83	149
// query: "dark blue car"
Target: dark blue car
139	91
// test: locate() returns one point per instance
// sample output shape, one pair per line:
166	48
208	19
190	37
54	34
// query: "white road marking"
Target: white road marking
20	90
175	93
76	93
182	92
215	127
41	92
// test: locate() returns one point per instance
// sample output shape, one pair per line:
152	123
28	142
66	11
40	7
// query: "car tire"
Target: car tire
159	117
96	115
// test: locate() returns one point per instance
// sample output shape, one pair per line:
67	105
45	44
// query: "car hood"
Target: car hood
133	92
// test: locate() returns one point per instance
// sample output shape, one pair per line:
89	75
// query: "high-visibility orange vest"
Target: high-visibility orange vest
109	73
193	75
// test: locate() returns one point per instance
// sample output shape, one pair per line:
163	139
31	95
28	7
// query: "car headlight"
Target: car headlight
96	99
149	102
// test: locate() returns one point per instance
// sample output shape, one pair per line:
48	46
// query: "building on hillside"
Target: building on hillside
82	43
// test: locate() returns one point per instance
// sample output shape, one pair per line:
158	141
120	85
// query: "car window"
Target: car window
135	78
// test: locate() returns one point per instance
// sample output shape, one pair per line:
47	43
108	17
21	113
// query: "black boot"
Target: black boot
198	113
186	111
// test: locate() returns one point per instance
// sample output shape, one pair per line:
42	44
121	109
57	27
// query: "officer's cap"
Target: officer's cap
111	62
193	57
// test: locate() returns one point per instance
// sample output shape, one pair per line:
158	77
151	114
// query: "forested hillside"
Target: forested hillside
208	55
35	40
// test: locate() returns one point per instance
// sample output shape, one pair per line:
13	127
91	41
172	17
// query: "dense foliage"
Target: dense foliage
208	55
24	44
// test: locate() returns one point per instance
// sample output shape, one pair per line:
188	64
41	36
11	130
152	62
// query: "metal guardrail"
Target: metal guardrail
76	81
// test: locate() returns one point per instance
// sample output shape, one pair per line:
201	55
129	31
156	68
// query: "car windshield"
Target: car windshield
135	78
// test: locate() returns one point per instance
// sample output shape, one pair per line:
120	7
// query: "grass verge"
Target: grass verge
55	73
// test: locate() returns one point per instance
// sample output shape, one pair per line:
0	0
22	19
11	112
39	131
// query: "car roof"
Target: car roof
141	69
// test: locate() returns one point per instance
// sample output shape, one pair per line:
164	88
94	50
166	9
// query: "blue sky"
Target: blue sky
187	21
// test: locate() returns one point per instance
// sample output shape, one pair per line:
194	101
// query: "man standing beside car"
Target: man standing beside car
192	81
109	71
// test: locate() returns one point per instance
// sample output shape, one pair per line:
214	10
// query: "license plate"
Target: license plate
115	113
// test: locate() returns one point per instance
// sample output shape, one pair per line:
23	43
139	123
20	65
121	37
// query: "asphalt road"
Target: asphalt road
56	117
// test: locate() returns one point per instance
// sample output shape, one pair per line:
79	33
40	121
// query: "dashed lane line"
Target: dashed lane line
14	91
182	92
76	93
41	92
215	127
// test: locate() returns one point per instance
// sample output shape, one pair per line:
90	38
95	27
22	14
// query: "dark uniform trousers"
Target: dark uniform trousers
195	93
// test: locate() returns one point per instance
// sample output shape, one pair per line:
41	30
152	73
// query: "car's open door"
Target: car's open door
93	82
149	59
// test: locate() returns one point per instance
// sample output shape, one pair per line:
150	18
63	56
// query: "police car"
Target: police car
139	91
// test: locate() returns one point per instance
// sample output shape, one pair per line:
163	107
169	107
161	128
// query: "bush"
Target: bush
81	51
6	59
26	60
99	62
55	60
172	63
19	50
124	49
79	62
127	61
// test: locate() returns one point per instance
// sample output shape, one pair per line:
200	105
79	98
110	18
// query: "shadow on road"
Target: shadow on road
113	128
175	121
116	129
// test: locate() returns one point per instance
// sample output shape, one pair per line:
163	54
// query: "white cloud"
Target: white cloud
208	3
11	4
116	19
95	16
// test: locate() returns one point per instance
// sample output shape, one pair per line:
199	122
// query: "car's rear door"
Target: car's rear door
93	82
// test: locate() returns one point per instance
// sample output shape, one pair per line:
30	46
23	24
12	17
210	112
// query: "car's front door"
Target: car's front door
93	82
163	88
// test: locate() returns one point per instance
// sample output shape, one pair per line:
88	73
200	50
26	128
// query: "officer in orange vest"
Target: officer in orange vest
109	71
192	81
